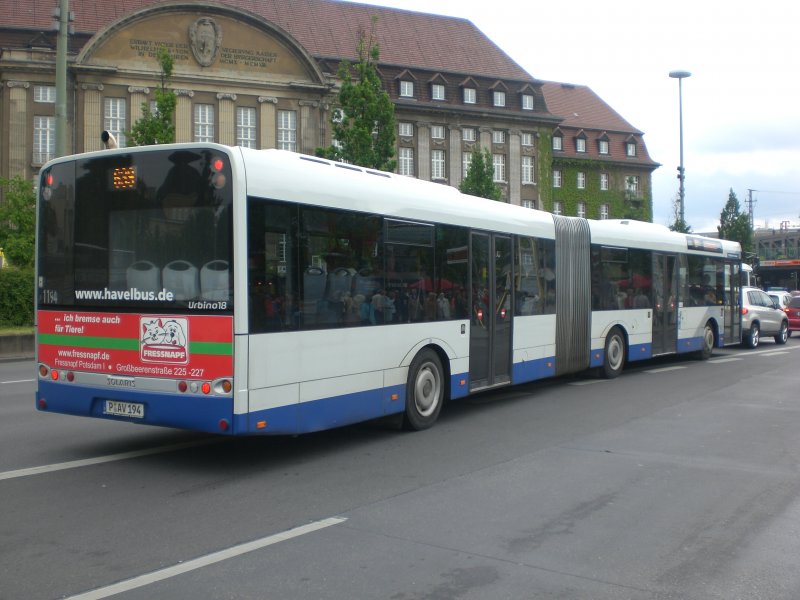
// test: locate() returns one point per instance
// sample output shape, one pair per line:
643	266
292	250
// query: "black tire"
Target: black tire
784	334
425	391
708	342
753	336
614	355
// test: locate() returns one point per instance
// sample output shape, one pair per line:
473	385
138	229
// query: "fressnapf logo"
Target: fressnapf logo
164	340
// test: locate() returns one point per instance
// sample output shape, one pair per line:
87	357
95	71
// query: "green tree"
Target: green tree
479	180
734	225
157	127
362	122
18	221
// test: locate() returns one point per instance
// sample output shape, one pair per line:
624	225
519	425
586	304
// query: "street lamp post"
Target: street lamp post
680	76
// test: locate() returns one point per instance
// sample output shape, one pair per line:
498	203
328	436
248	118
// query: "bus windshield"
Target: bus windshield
140	229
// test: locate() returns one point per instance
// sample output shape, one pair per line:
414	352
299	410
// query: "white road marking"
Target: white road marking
717	361
204	561
17	381
74	464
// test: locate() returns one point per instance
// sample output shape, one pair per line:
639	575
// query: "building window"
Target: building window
406	89
466	160
437	164
602	146
437	91
44	93
114	119
405	162
499	98
527	102
406	129
527	204
556	178
527	139
556	208
287	130
581	180
582	209
527	170
246	126
603	182
580	144
203	123
44	139
469	96
468	134
603	212
498	137
437	132
630	148
499	165
632	183
558	142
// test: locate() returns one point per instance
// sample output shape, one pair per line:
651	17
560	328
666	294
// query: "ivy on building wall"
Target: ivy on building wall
621	202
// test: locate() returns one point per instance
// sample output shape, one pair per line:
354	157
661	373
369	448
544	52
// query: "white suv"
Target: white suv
762	315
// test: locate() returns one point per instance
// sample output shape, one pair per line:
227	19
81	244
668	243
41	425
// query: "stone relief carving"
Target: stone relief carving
206	39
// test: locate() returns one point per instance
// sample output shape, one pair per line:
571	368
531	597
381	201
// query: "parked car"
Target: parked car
761	315
782	298
793	312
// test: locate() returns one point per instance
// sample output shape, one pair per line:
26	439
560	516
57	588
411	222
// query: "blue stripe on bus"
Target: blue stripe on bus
325	413
635	352
202	413
531	370
692	344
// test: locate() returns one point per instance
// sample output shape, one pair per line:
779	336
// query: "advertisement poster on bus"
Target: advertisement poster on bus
145	345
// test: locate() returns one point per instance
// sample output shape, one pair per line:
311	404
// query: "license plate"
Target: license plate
123	409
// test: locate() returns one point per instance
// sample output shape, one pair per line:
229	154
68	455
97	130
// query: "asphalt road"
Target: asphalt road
680	479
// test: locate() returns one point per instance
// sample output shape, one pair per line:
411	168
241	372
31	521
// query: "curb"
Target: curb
17	347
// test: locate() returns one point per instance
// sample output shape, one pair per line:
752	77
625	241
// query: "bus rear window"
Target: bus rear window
146	230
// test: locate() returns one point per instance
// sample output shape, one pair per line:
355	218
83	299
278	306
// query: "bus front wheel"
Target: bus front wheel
614	358
424	390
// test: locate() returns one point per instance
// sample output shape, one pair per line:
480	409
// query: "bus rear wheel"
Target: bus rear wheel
708	343
424	391
614	356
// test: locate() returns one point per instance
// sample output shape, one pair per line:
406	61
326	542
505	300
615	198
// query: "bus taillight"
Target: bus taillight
43	371
47	185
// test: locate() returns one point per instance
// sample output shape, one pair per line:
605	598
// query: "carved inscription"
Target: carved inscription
182	52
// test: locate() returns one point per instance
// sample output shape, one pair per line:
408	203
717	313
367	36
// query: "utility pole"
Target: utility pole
750	202
62	43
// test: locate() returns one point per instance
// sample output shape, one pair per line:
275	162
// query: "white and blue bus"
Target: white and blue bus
239	291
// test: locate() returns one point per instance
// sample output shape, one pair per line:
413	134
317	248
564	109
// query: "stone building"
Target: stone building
262	74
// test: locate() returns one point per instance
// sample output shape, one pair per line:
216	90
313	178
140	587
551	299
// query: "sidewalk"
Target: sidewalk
16	347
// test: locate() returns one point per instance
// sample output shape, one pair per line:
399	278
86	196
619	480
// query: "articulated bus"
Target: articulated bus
240	291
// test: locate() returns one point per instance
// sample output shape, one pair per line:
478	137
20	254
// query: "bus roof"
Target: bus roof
283	175
288	176
316	181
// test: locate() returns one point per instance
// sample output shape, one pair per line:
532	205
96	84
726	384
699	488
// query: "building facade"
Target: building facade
262	75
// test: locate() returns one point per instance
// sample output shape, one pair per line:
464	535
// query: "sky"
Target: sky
741	105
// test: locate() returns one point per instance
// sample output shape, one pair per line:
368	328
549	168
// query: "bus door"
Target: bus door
665	304
732	304
491	315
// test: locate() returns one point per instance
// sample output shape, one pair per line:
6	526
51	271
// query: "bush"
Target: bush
16	297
